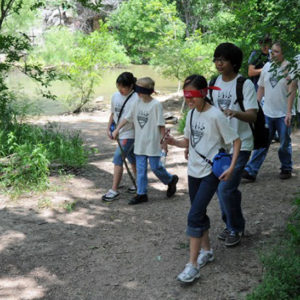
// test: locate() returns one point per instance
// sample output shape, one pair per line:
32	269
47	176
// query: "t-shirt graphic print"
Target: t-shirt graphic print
224	99
197	133
142	118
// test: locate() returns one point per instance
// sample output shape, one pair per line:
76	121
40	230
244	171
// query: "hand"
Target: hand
108	133
115	134
226	174
164	146
288	120
186	153
170	140
230	113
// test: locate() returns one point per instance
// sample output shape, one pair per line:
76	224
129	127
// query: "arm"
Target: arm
292	89
110	120
116	131
248	116
253	72
236	150
163	142
260	93
181	143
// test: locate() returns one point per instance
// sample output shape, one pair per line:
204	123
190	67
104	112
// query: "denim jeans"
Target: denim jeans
201	191
284	151
157	169
230	197
127	146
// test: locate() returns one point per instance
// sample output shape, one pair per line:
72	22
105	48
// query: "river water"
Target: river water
28	89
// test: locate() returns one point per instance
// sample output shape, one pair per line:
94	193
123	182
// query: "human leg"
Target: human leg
285	149
230	197
259	155
163	175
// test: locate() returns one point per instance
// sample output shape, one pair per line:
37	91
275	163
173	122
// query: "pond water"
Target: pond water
28	89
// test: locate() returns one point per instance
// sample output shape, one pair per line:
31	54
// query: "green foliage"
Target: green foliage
282	265
182	120
180	59
140	25
26	152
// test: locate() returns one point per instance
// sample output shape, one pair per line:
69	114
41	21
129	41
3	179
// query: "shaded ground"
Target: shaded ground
116	251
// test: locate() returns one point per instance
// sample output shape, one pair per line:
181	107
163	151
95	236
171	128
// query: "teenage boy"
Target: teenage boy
228	59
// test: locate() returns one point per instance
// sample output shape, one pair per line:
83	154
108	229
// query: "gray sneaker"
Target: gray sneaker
205	257
232	239
189	274
223	235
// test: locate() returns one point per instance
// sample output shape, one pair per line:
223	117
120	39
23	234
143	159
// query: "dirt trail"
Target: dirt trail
115	251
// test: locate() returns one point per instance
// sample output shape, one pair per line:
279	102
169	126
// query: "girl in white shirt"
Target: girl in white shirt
206	133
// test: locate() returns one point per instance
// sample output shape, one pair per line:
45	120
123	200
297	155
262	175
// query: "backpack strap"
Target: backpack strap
201	155
211	83
122	108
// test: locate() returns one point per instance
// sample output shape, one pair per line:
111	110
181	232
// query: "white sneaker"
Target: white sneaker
205	257
189	274
110	196
132	189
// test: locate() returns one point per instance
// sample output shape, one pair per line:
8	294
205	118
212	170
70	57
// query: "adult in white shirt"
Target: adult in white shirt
278	110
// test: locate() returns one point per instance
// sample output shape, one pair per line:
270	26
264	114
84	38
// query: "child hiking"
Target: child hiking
120	104
206	131
147	116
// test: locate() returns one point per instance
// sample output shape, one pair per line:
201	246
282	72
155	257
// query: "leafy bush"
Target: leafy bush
282	265
181	123
26	152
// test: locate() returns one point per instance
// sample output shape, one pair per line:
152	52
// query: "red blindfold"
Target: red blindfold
199	93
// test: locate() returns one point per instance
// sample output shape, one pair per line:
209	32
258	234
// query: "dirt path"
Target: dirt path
115	251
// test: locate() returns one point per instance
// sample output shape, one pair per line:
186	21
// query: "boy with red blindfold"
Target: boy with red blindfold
206	131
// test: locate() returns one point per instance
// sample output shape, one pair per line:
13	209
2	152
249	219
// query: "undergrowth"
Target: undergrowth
281	279
28	151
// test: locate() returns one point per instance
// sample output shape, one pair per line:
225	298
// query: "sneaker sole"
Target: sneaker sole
110	199
232	244
131	191
190	280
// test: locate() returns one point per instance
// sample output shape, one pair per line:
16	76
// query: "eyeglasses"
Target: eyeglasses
220	60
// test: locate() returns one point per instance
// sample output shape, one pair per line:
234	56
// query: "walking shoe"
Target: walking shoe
138	199
172	186
110	196
247	176
131	189
223	235
285	174
189	274
205	257
232	239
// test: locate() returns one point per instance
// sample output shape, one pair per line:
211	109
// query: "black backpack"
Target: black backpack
259	129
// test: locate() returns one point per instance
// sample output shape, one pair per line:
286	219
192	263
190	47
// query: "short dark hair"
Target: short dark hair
232	53
126	79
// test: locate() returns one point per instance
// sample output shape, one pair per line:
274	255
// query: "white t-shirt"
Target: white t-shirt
210	132
225	99
276	91
117	100
146	117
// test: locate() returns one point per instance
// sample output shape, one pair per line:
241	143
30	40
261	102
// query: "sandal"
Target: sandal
110	196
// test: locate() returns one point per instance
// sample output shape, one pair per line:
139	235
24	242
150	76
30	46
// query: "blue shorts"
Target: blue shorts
127	146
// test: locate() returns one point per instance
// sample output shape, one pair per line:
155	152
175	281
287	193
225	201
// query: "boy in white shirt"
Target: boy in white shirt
147	116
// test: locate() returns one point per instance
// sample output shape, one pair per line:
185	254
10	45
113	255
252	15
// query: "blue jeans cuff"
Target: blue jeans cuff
196	232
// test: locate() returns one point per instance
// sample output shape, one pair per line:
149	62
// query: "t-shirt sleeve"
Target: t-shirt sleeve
130	113
187	130
249	93
160	115
252	58
262	76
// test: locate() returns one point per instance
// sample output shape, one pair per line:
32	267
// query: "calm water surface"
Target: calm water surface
28	88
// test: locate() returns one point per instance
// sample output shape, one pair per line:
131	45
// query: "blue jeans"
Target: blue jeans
157	169
127	146
230	197
201	191
284	151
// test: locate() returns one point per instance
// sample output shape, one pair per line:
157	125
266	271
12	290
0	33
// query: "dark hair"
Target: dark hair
282	46
198	82
266	40
232	53
126	79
